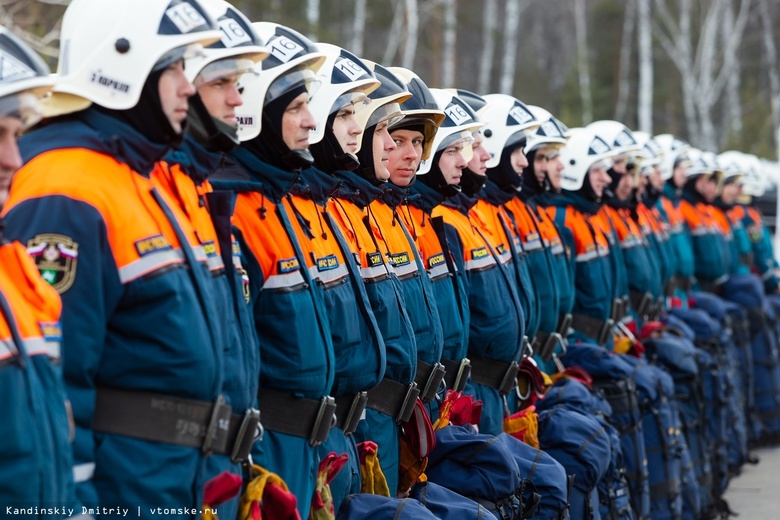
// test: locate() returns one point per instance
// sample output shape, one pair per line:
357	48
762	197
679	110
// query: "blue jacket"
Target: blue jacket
709	246
562	265
680	243
139	309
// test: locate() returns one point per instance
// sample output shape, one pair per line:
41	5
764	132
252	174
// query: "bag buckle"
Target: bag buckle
407	407
249	432
548	348
510	379
527	350
645	305
464	371
432	384
565	324
356	410
325	420
606	331
219	422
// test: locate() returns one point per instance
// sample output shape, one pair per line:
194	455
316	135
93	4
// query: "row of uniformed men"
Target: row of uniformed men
169	314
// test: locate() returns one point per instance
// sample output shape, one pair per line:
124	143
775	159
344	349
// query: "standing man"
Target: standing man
142	356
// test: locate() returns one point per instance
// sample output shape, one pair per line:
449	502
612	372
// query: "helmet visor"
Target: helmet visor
228	67
350	98
461	142
24	106
185	52
296	77
390	112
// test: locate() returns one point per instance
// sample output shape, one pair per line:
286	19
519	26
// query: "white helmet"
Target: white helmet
24	78
384	102
420	109
108	49
507	121
753	180
584	149
549	132
650	153
460	123
236	52
345	80
674	150
699	163
617	136
293	61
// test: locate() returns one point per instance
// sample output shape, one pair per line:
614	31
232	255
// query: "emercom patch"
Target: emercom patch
56	257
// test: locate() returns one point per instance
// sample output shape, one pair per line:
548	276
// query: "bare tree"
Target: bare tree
626	47
770	55
449	51
393	39
358	27
581	28
489	28
733	102
313	17
645	101
509	59
412	30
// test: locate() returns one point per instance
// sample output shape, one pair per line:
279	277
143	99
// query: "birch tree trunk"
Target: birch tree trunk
730	62
313	17
580	28
645	101
489	28
449	51
392	37
626	46
509	59
358	28
770	55
412	30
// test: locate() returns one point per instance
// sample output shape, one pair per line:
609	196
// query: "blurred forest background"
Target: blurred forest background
706	70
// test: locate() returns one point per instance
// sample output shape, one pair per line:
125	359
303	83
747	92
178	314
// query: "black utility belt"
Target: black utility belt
289	414
429	378
499	375
644	304
457	373
208	426
394	399
600	330
544	344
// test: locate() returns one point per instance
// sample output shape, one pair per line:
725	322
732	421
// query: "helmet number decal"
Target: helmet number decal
520	115
284	49
186	17
624	139
350	69
12	69
457	114
232	33
598	147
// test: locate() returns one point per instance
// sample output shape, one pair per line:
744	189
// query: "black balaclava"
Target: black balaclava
435	178
690	189
587	190
210	132
366	156
504	175
531	185
147	116
471	182
269	145
328	154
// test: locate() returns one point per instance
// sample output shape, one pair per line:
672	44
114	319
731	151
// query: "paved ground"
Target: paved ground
755	494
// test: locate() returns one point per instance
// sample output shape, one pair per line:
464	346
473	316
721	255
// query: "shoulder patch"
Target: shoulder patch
326	263
436	260
51	331
374	259
287	265
480	252
151	245
399	259
210	248
56	257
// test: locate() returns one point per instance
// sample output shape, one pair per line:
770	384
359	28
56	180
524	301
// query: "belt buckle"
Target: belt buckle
432	384
219	420
548	348
355	412
250	431
407	407
464	371
565	324
605	331
510	379
326	417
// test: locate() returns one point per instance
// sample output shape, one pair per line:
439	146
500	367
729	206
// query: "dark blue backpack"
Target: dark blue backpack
446	504
375	507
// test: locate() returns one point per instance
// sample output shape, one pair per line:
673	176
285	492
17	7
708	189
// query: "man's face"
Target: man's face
347	129
10	160
174	89
655	179
518	160
540	165
221	97
452	162
730	192
619	164
382	146
478	162
624	187
710	188
680	174
297	122
599	179
555	171
405	159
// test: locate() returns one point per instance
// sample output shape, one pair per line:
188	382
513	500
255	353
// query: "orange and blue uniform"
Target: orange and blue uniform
710	252
496	321
35	459
138	313
288	306
761	244
680	246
